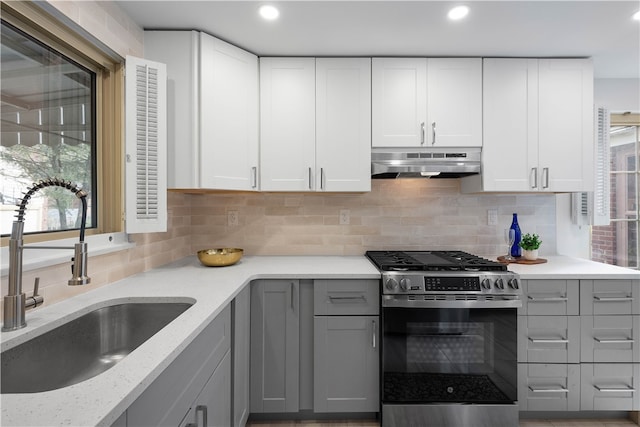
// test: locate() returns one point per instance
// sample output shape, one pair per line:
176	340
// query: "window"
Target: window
48	130
62	102
618	242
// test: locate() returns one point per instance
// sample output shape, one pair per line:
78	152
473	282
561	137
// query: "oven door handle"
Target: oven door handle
394	301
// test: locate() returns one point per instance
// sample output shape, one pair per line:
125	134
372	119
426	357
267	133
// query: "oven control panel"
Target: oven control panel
471	283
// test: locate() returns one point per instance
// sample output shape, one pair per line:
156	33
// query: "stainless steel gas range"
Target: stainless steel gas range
449	339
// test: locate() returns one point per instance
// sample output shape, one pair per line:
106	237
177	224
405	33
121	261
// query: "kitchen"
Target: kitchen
433	212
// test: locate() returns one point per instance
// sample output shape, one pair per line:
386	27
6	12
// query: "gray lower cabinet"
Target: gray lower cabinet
241	361
346	364
275	346
199	375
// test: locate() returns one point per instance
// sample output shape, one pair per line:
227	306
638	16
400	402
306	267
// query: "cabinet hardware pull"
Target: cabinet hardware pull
549	340
433	131
614	340
291	296
612	299
545	177
534	175
310	183
322	178
203	409
549	390
547	299
625	389
347	299
254	174
375	331
422	132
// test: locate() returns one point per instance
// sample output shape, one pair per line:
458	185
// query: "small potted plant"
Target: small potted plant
530	243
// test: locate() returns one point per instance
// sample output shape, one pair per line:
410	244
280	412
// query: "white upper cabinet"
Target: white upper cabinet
537	126
315	124
420	102
228	116
212	110
343	124
287	124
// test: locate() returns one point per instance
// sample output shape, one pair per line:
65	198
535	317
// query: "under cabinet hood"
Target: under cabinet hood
409	162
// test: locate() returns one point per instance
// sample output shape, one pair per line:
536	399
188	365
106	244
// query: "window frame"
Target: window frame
109	69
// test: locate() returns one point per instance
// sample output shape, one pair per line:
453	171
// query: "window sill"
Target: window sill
32	259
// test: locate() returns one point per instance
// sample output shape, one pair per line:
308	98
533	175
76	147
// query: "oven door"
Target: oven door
449	353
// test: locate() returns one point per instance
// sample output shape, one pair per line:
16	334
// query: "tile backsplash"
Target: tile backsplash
396	214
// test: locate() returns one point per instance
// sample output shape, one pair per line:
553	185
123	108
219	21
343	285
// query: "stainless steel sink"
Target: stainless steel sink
84	347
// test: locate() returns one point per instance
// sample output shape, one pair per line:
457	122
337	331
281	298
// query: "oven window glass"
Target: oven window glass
449	355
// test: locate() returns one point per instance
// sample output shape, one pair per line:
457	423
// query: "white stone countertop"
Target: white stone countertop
564	267
99	401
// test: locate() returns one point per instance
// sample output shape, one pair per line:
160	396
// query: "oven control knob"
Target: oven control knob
513	284
391	285
499	283
486	284
405	284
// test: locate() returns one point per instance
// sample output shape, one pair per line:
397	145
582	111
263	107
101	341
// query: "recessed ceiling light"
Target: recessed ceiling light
458	13
268	12
636	16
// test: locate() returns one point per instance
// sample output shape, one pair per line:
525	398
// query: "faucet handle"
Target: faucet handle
36	299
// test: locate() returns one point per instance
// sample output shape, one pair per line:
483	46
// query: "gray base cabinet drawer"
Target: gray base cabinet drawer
610	386
346	368
346	297
609	297
169	397
550	298
549	339
610	339
548	387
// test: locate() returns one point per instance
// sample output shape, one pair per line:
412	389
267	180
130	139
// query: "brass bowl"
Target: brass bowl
220	257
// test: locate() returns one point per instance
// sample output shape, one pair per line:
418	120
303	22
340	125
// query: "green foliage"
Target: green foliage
530	242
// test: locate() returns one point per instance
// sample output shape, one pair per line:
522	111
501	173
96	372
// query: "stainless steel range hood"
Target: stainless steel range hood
419	162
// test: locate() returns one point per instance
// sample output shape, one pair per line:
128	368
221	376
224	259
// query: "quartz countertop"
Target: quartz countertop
101	400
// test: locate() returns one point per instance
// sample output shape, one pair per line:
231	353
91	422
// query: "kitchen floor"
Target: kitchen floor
523	423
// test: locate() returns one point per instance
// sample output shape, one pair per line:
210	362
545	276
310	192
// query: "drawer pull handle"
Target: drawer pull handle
549	340
614	340
612	299
374	326
625	389
347	299
547	299
203	409
549	390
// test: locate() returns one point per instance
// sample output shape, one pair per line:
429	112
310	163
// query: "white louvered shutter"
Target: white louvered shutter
601	201
146	146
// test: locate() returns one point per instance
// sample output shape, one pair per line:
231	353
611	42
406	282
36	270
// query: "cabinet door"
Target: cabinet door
609	386
346	367
566	124
549	339
454	102
510	132
343	124
241	361
212	408
287	124
550	297
275	346
610	339
228	116
399	102
180	50
548	387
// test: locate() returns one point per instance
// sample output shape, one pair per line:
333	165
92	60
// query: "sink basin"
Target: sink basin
84	347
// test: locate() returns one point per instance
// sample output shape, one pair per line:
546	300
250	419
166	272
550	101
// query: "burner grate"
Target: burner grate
432	261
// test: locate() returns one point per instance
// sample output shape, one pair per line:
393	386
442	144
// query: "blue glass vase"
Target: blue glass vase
516	251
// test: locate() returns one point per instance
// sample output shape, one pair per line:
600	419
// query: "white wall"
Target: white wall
618	95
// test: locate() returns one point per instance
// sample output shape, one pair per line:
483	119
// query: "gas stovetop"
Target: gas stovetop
442	261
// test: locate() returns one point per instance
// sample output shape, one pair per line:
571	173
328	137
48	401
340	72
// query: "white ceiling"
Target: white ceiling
603	30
